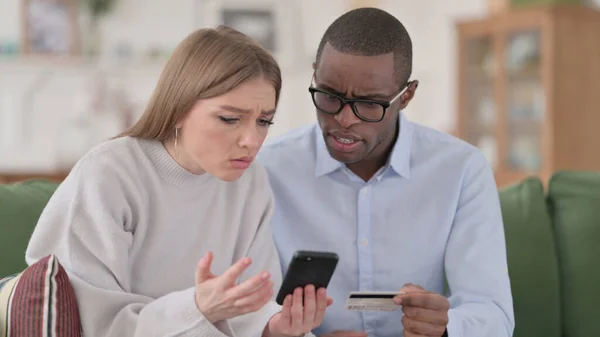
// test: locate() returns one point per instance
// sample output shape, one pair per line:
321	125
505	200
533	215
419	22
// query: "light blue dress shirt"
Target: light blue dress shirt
433	211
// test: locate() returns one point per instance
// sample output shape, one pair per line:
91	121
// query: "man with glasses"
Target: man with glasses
405	207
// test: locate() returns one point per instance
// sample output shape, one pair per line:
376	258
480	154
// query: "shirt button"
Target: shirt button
364	242
364	191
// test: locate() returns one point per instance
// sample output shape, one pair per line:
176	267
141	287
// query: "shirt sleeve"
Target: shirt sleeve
85	226
475	262
264	256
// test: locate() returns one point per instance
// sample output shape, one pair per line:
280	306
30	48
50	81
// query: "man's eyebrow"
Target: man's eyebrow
373	96
236	109
329	89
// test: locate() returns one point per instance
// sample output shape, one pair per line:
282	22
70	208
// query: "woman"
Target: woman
136	213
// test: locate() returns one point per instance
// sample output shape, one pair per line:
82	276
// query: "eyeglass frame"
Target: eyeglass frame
351	101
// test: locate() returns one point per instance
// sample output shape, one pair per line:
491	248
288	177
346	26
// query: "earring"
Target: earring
176	137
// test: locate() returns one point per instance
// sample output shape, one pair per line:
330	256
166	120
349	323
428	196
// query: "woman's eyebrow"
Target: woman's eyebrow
242	110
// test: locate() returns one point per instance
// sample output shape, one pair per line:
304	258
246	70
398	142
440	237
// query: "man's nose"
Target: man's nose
346	117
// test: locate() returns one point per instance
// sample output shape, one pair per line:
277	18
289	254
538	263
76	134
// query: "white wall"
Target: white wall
431	26
144	23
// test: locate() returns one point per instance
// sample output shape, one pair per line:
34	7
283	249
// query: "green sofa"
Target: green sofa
553	246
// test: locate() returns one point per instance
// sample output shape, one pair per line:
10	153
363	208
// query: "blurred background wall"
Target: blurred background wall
75	72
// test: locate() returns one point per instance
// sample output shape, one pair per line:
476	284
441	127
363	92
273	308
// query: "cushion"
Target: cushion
20	207
40	301
575	203
532	260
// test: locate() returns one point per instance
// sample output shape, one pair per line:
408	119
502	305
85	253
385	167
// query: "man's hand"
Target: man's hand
425	313
345	333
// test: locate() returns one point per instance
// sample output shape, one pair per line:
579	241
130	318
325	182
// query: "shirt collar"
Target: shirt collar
399	159
325	163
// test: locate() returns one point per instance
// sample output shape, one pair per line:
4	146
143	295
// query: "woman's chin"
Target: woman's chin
229	175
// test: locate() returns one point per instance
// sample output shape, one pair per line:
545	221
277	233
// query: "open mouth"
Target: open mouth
344	143
345	140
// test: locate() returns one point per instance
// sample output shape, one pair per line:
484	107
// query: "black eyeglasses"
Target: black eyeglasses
368	110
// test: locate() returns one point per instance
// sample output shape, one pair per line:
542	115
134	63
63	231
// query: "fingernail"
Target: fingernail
264	275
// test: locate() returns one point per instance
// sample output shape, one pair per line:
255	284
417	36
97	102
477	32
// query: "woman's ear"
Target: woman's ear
181	121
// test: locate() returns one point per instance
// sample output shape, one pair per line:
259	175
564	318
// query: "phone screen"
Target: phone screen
308	267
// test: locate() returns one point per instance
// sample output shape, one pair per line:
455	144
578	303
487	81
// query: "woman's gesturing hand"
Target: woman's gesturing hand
219	298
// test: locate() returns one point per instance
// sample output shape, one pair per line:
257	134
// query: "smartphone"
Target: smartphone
307	267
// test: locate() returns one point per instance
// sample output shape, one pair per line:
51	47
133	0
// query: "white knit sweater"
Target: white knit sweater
129	225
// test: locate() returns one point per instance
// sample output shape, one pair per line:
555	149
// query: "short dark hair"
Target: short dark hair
369	32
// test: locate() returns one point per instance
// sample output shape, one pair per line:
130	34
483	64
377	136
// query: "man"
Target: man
405	207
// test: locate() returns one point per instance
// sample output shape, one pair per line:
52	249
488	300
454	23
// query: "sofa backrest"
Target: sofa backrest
574	199
20	207
532	260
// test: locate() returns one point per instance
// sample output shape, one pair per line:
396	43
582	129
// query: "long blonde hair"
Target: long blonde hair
207	63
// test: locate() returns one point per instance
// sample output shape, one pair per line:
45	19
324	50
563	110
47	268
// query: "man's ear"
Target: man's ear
408	94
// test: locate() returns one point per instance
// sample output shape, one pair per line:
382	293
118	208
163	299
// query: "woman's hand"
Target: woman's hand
301	313
218	298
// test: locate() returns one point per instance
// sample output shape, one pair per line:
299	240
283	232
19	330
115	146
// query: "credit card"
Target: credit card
372	301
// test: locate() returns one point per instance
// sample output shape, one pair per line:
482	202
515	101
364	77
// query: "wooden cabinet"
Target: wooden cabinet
529	90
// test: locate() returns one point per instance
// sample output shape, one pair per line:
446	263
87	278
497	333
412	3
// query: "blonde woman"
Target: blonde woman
155	227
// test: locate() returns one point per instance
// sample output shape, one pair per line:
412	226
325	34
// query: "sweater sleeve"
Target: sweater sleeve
264	257
87	225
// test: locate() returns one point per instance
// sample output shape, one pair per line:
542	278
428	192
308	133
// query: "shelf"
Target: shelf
543	120
12	177
78	62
